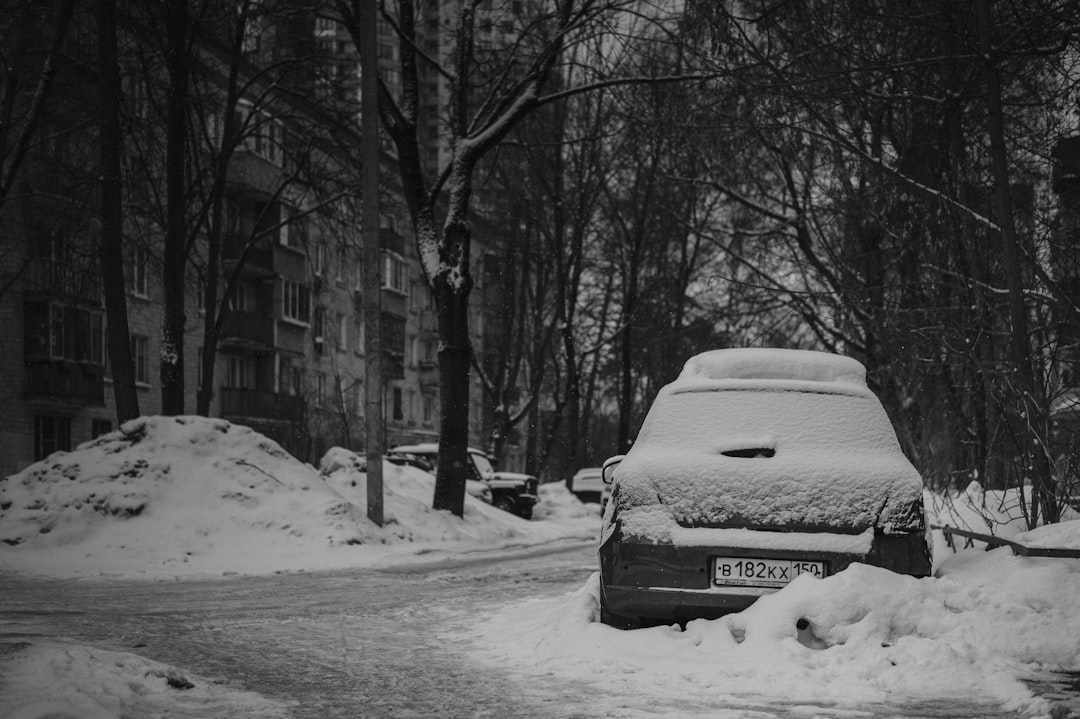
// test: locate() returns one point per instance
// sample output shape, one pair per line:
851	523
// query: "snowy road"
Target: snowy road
368	643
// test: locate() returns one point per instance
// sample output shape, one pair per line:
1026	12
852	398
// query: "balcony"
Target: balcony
248	329
78	281
429	374
241	402
258	259
254	175
71	382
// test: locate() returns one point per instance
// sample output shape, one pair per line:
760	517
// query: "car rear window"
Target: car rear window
755	424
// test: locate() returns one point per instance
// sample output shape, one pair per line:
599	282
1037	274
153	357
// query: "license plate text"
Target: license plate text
743	571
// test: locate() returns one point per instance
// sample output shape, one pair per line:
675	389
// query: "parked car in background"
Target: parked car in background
475	488
755	466
510	491
587	484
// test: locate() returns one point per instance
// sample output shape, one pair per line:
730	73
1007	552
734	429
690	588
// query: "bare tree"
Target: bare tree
33	39
112	219
880	130
490	90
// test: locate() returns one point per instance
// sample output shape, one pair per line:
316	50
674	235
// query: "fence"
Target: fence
993	542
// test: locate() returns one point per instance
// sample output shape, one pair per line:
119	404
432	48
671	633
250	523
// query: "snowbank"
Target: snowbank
871	636
190	496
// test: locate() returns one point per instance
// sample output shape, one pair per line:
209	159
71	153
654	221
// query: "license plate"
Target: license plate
747	572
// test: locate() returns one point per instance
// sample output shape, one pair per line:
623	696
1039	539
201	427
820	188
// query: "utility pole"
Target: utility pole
372	279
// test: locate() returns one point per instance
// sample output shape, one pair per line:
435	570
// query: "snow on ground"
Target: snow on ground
58	681
189	496
975	632
183	497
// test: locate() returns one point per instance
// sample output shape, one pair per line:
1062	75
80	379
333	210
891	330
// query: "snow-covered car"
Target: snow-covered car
752	467
475	488
510	491
587	484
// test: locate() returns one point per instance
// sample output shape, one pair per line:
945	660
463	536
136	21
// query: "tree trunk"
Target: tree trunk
112	223
452	301
1029	409
626	350
215	311
173	320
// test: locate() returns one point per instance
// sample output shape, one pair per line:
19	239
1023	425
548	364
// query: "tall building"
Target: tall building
290	359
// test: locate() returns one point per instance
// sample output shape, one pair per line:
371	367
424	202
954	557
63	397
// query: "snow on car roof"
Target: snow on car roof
426	448
767	438
771	367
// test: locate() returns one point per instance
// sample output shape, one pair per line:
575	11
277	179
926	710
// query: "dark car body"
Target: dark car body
510	491
752	467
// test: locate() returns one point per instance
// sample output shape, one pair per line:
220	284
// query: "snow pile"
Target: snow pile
172	496
989	620
57	680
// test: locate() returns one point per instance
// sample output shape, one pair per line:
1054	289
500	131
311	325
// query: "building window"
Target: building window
412	356
53	331
320	389
358	277
393	334
238	373
140	355
342	400
358	333
99	427
429	352
268	140
293	232
398	414
318	329
51	434
429	409
343	331
318	260
296	301
136	262
393	273
290	377
240	299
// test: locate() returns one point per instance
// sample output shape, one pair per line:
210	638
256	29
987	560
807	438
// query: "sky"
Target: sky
175	498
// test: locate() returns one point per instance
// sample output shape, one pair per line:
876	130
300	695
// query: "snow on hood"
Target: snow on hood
828	456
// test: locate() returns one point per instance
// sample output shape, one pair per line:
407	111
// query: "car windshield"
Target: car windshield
483	464
814	421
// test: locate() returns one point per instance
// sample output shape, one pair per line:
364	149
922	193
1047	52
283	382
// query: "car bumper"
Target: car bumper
669	582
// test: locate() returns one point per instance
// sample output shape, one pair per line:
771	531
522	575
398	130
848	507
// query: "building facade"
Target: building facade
290	358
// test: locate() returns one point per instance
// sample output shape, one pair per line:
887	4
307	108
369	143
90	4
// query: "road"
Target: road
358	643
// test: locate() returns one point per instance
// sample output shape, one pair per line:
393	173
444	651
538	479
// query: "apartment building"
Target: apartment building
291	353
